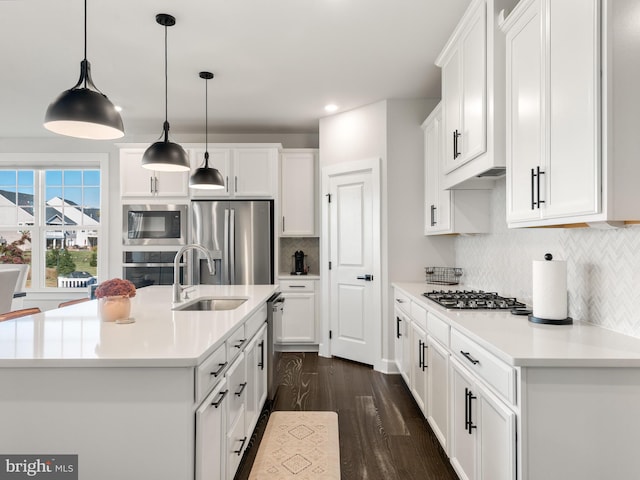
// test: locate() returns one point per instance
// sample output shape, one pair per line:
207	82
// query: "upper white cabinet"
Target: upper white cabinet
299	192
248	171
569	138
448	211
136	181
473	95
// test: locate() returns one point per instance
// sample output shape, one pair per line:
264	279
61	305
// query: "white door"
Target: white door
354	291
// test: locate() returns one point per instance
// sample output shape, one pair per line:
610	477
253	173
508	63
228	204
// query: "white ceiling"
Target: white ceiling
276	62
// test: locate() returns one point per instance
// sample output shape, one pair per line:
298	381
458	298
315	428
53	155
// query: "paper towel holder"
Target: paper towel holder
550	321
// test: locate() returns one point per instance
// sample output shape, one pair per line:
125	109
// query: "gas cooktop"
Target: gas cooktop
472	300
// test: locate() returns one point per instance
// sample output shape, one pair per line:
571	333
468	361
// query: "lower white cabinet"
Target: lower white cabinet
236	443
298	324
483	430
256	356
419	366
211	418
438	390
236	432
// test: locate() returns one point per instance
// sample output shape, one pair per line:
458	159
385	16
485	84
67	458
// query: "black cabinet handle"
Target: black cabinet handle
466	409
242	442
398	320
261	362
535	186
226	183
538	188
424	361
533	200
240	342
420	360
242	387
220	399
433	215
468	356
469	411
456	134
221	367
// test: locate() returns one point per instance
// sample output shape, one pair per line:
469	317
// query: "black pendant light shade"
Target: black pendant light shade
83	111
164	155
206	178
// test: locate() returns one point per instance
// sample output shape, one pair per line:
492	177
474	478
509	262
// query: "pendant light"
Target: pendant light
83	111
206	178
164	155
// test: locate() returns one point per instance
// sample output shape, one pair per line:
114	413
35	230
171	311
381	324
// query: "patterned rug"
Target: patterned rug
300	446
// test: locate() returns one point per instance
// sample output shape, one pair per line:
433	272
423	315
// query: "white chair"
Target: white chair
8	281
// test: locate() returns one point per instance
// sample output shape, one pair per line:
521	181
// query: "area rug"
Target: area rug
299	445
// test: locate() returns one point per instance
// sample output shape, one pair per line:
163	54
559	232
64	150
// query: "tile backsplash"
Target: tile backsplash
309	245
603	266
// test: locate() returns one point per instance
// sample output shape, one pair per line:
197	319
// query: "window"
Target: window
50	218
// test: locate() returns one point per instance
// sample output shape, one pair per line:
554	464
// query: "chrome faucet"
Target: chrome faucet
177	288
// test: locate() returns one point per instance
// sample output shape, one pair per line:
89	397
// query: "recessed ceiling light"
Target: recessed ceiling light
331	107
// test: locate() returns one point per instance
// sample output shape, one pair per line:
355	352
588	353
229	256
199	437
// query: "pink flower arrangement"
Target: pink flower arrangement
116	287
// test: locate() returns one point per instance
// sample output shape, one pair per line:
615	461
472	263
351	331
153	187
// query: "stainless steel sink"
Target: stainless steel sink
212	303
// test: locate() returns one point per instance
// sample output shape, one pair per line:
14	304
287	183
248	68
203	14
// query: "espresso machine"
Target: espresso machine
299	267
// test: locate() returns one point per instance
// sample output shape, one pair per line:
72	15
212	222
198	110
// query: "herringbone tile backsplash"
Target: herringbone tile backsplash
603	266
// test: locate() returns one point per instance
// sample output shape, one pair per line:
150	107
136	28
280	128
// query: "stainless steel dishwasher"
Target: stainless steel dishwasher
275	308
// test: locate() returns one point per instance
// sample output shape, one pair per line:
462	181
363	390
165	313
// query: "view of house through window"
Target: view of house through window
50	220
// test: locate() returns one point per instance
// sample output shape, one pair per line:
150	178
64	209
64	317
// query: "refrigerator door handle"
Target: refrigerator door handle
232	248
225	258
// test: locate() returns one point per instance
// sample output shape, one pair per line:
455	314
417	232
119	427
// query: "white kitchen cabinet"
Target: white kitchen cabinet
398	338
568	136
483	433
248	171
438	390
419	366
256	377
298	324
448	211
299	192
211	429
472	65
136	181
236	413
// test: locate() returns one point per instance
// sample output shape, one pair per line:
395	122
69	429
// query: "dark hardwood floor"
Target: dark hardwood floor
383	434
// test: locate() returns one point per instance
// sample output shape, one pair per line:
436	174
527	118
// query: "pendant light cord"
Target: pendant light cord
85	39
206	123
166	87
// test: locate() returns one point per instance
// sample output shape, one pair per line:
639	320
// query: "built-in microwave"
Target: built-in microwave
154	224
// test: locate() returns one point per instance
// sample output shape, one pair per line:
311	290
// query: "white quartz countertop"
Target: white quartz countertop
75	336
519	342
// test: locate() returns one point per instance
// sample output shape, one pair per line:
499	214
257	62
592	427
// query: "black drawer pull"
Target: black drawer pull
242	442
240	343
219	401
220	369
469	357
242	387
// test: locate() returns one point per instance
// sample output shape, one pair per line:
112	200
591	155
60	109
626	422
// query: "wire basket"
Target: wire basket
443	275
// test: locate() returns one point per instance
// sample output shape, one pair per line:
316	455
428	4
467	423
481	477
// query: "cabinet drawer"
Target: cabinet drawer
297	285
438	329
401	300
209	372
237	385
419	315
256	320
235	343
491	369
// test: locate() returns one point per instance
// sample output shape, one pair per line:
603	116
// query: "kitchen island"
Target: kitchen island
123	397
510	399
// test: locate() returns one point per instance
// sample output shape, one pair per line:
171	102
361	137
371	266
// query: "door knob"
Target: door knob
368	277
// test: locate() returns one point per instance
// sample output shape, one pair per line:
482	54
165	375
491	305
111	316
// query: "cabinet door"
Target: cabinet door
256	377
236	445
463	422
473	140
572	109
211	430
298	193
135	181
451	115
497	437
419	366
219	158
398	338
172	184
406	349
525	139
261	370
298	319
437	200
254	172
438	391
237	383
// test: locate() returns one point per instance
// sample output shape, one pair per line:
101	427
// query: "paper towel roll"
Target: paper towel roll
549	293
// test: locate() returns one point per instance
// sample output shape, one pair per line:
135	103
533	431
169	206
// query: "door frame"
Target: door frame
372	165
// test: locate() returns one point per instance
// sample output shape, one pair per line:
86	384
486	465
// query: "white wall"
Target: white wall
603	266
390	130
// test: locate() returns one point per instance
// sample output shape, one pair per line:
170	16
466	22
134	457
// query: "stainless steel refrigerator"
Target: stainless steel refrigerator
239	233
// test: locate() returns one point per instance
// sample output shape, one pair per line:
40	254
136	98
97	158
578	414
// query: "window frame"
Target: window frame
62	161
